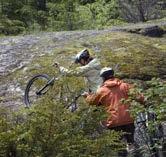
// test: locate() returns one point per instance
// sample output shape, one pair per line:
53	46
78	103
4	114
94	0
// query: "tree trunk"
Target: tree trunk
1	7
141	11
41	5
69	11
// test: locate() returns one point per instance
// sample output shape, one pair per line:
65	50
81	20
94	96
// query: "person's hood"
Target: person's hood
112	82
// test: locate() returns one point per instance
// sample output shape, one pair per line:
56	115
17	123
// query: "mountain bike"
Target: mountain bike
39	85
149	141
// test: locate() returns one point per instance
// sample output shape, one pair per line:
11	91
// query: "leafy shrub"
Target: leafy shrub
8	26
154	92
49	129
153	108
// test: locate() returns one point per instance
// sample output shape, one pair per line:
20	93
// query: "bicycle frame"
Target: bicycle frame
73	104
49	83
149	139
42	90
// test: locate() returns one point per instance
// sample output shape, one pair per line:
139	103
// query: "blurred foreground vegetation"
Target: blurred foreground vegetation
49	129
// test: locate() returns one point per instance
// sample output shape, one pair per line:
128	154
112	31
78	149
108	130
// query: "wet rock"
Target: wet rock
146	29
3	89
153	31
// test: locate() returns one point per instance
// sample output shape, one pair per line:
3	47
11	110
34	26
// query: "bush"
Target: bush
49	129
11	27
155	98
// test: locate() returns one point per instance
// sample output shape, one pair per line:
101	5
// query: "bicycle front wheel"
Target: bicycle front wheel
36	88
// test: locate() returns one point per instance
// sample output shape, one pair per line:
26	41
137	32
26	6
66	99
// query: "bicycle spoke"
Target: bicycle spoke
36	88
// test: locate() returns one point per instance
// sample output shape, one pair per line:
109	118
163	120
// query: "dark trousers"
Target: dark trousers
128	132
128	136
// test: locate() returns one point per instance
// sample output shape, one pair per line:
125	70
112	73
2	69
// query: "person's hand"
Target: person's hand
85	94
56	64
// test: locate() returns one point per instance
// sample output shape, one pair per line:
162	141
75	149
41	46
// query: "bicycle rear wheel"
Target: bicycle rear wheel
36	88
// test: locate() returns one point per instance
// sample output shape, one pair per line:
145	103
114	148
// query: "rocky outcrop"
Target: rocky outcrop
139	57
146	29
151	31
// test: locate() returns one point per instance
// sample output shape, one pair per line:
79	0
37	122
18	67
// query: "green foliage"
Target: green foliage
155	96
154	106
27	15
154	92
8	26
137	57
142	10
62	15
42	19
79	14
83	2
100	14
49	129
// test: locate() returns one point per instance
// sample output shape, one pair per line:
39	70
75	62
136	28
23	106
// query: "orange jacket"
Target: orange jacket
110	95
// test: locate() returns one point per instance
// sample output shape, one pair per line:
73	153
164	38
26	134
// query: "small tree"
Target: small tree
139	10
49	129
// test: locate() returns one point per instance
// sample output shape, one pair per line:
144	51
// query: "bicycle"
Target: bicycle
150	143
39	85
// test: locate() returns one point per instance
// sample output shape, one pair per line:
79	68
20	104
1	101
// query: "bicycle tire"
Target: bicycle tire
145	140
44	77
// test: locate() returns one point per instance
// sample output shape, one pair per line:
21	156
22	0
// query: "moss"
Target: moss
138	57
1	99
